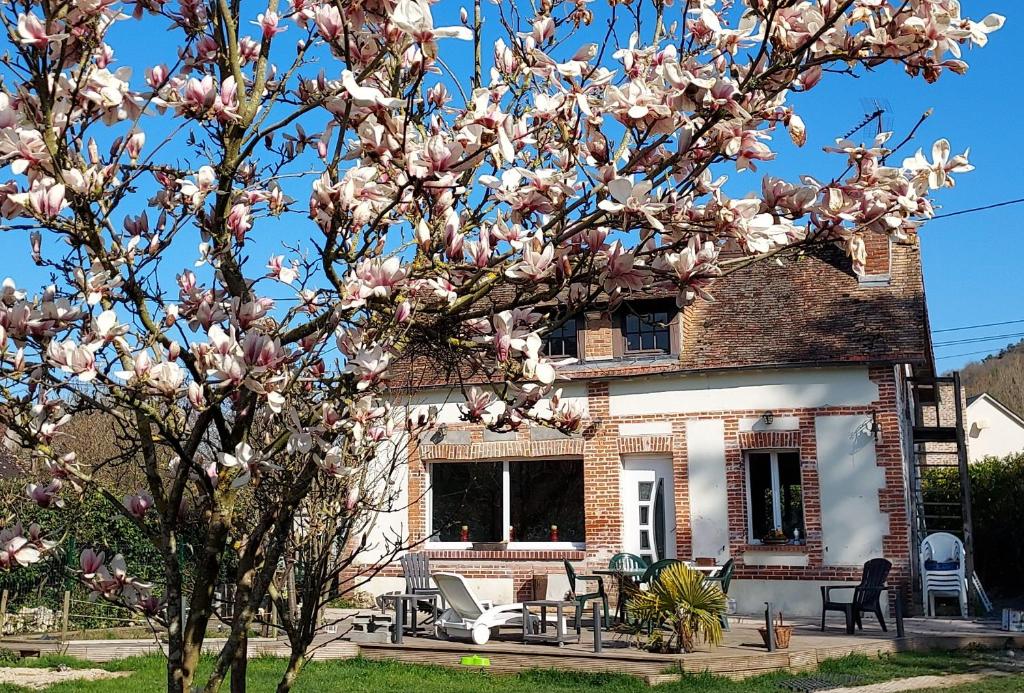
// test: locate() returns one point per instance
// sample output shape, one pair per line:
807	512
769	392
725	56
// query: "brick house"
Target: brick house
784	404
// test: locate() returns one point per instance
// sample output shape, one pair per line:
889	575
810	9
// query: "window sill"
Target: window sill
648	354
787	548
511	547
554	552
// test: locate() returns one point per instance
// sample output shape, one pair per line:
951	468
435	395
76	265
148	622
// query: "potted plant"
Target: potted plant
782	634
682	602
775	536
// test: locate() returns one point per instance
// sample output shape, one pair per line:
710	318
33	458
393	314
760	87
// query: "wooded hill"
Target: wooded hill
1000	375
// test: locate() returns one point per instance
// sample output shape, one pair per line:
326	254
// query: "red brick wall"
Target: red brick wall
602	450
877	247
597	342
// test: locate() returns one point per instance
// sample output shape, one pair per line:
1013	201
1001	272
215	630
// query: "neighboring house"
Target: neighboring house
993	430
785	403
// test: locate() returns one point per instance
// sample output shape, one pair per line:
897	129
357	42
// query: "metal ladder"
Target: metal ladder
940	443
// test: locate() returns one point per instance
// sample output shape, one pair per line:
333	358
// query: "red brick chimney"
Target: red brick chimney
878	247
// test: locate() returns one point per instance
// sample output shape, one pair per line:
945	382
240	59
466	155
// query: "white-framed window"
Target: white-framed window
529	504
775	499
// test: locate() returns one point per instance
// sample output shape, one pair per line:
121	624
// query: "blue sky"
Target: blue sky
972	263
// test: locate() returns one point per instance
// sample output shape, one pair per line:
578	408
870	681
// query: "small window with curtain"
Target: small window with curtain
775	497
563	340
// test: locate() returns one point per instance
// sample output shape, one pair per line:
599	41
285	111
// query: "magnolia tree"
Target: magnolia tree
246	225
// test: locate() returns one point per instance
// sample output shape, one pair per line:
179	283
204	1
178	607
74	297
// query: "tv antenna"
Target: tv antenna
877	111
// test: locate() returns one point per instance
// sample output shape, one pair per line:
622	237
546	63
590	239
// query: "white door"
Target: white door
648	505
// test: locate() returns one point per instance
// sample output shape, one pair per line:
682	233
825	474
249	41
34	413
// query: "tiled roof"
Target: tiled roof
811	310
800	311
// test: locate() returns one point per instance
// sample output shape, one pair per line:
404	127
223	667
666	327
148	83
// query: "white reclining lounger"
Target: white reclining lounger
469	617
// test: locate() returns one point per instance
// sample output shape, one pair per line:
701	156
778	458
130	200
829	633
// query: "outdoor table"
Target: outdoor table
619	575
402	603
560	636
710	570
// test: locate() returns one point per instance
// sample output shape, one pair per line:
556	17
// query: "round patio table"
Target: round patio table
620	575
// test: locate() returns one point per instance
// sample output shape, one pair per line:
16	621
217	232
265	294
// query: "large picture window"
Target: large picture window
519	502
775	495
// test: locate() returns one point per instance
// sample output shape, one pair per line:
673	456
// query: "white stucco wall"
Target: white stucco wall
709	501
991	431
791	597
448	401
852	525
389	488
808	387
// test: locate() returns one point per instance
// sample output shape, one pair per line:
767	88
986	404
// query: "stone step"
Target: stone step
372	623
379	636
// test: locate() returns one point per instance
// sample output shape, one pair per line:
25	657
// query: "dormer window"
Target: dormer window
646	328
563	340
645	331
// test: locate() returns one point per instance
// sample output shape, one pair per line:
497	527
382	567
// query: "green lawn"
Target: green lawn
365	675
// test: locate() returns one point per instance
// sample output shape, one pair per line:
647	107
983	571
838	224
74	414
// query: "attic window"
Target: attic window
646	331
563	340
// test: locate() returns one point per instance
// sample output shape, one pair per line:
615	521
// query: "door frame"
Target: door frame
660	467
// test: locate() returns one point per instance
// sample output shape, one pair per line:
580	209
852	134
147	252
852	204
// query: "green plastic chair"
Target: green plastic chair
625	562
582	599
655	570
723	578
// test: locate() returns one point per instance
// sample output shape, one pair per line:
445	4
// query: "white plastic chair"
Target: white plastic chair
943	547
469	617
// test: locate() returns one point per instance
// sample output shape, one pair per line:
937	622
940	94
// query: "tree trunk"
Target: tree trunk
176	680
239	665
293	604
201	604
251	587
295	664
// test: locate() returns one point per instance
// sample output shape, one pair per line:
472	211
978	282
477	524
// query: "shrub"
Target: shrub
997	494
690	606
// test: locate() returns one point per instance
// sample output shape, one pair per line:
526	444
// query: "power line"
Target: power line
975	340
974	327
979	209
969	353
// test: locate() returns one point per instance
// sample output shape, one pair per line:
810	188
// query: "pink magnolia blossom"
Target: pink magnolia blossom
281	272
20	550
414	18
49	201
45	496
138	505
328	22
90	562
32	32
937	174
268	22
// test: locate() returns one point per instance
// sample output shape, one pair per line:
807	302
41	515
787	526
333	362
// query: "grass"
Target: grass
362	675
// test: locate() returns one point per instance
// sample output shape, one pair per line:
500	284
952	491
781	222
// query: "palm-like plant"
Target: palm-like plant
690	606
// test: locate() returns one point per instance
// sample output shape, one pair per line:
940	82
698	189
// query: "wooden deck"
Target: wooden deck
741	655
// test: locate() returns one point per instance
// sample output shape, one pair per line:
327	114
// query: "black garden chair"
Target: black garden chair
867	596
